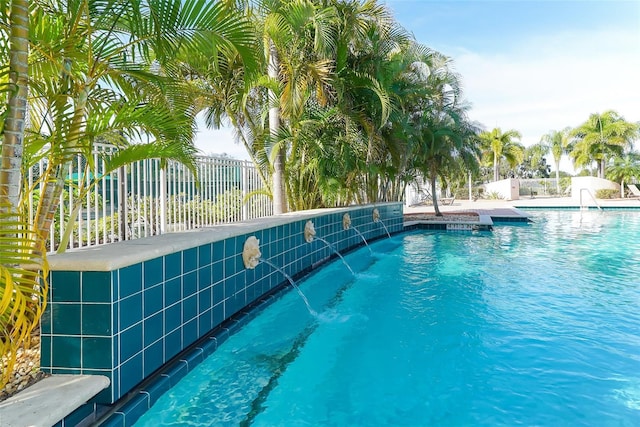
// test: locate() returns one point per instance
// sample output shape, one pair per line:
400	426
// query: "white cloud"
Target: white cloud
553	81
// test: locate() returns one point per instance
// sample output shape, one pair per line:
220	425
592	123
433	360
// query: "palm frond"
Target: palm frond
23	286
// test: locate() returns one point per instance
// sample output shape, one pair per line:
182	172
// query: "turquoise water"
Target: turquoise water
529	325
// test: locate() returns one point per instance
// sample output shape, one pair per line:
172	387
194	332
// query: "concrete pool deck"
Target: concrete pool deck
491	211
49	400
484	207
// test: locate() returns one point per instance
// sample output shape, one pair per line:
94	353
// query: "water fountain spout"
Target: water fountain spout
251	252
310	234
346	224
251	256
346	221
376	218
293	283
309	231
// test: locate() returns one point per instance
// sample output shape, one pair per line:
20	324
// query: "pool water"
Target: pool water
528	325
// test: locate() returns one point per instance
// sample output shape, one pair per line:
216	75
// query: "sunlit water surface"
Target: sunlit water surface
529	325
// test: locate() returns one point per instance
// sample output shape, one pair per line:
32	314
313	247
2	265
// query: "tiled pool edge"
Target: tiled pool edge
129	409
135	405
279	243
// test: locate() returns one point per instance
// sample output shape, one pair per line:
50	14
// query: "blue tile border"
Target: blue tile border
206	293
127	410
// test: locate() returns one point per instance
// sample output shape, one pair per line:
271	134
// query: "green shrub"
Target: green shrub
607	194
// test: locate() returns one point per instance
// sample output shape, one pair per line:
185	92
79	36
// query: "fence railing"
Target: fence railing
543	187
141	199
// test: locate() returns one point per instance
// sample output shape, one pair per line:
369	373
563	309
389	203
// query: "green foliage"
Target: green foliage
565	182
600	138
607	194
493	195
625	168
498	145
534	163
108	71
224	208
557	143
23	286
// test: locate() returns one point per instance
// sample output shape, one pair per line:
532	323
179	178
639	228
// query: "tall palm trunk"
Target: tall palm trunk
558	177
496	166
432	176
13	141
49	199
279	194
18	316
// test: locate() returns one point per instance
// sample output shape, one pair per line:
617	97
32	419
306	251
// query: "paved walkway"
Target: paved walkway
491	206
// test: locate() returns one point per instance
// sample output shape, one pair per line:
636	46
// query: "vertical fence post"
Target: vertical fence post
163	200
245	187
122	203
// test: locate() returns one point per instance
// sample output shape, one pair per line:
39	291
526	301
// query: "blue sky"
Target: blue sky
502	26
533	66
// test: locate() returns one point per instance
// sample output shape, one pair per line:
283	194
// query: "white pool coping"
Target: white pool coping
123	254
50	400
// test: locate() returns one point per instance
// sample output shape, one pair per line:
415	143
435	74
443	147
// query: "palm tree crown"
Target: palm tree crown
500	145
602	137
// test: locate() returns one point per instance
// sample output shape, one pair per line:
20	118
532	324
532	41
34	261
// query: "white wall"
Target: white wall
508	189
592	184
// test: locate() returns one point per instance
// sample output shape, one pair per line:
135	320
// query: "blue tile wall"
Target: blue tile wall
128	323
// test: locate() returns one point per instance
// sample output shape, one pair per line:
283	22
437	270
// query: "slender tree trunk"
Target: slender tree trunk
54	184
13	141
51	188
495	166
278	189
602	167
558	177
432	177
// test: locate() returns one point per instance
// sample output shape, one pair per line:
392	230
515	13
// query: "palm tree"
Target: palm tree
557	142
442	141
95	70
19	285
296	37
448	145
16	92
109	70
502	145
602	137
372	52
625	169
329	102
534	163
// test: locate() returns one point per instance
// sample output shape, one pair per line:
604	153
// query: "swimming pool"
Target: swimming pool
531	324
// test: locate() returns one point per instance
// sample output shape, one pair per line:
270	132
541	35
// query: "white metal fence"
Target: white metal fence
142	199
544	187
